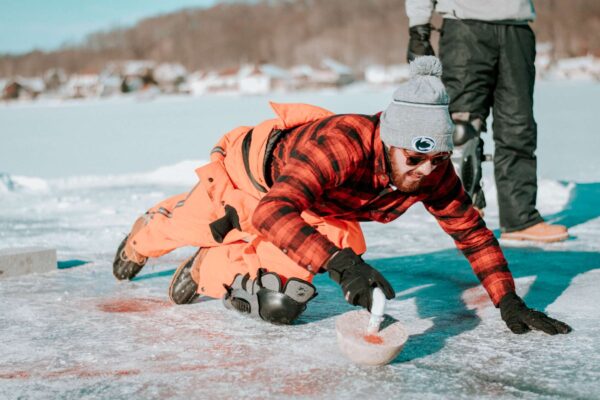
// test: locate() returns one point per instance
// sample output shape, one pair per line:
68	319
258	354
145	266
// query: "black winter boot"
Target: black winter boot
123	266
183	288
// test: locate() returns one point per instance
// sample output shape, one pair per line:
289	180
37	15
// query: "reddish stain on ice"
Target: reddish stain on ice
132	305
373	339
81	371
14	375
310	383
77	372
127	372
187	368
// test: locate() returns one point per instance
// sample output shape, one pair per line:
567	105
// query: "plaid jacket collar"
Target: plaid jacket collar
382	168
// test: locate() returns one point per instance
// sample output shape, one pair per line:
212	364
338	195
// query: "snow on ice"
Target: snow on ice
74	180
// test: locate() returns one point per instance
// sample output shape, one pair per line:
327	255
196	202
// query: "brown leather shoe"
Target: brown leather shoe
183	288
541	232
128	263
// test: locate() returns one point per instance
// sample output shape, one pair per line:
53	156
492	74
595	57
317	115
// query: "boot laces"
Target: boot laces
138	260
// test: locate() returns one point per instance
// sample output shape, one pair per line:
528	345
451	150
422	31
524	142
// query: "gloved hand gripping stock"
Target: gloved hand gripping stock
357	278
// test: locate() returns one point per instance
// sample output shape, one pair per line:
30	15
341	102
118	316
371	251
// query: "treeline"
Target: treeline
289	32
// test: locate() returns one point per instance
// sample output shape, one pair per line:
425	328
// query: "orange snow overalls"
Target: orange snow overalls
235	178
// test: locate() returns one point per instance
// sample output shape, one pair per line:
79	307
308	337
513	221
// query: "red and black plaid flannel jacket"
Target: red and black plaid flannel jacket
336	167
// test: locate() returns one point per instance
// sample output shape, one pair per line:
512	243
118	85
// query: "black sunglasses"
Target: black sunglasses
414	160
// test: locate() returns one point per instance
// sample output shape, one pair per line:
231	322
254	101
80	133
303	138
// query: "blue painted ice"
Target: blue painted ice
77	174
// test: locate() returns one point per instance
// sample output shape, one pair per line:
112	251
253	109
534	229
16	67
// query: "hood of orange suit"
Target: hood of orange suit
295	114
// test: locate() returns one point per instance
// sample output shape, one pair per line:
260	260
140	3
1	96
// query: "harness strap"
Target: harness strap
246	157
274	139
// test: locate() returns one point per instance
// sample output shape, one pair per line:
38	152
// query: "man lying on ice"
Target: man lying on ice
280	202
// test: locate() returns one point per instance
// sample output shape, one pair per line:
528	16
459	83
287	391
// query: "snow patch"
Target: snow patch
28	184
552	196
180	174
577	296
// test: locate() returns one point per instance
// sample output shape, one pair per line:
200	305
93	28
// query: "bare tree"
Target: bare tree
288	32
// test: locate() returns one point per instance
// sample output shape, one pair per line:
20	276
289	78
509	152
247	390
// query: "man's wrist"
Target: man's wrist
324	267
510	299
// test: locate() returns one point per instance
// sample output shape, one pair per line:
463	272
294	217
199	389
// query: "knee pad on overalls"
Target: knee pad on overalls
467	158
265	298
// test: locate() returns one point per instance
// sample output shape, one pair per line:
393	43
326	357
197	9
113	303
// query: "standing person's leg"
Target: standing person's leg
469	55
515	130
515	136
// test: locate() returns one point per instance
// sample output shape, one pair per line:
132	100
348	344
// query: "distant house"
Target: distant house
34	85
138	68
281	79
543	58
54	79
22	88
343	72
170	76
12	90
135	75
82	85
110	85
225	80
111	80
330	74
196	83
253	81
382	75
261	79
579	68
302	75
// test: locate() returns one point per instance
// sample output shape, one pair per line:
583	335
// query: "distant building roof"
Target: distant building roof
168	72
274	71
33	84
229	72
336	66
131	67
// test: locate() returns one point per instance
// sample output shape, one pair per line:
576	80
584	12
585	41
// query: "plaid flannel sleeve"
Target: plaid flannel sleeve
452	208
321	163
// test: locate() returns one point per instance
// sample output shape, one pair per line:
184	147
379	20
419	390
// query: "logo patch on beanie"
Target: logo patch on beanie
423	144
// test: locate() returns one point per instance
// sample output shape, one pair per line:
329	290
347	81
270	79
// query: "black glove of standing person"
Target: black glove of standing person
357	278
418	44
520	319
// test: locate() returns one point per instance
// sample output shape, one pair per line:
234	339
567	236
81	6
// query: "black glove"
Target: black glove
357	278
418	44
520	319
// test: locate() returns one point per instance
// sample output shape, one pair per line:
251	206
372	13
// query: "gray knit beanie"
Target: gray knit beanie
418	117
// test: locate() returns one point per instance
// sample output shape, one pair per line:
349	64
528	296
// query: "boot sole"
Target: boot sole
129	272
533	238
196	258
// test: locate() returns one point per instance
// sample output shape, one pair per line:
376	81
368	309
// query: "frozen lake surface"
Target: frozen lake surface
78	174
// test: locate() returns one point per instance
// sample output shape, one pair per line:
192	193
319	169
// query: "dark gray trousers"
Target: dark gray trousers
488	65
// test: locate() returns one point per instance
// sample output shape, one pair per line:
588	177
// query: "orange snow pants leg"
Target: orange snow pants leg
221	264
183	220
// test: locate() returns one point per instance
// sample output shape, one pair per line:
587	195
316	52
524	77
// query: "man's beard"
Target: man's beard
405	185
408	186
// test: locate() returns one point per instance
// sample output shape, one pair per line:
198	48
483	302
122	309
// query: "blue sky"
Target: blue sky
47	24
